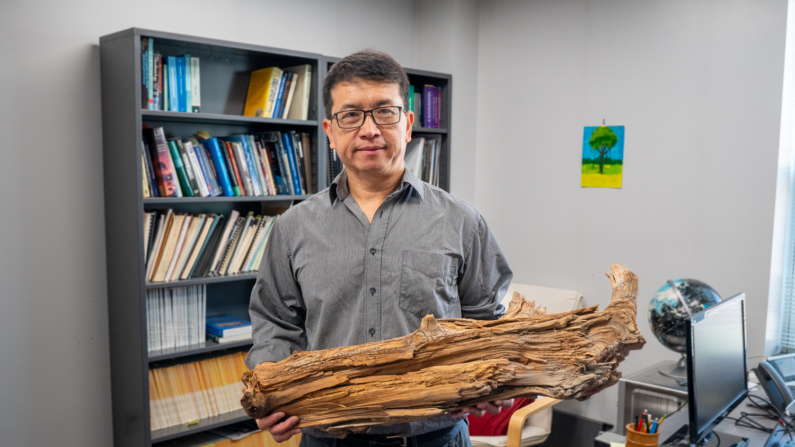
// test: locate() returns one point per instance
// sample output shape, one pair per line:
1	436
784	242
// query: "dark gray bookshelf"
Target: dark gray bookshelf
419	78
225	70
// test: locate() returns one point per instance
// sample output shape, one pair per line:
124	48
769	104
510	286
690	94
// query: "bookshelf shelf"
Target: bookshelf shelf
197	281
210	423
224	81
428	130
218	118
202	348
184	200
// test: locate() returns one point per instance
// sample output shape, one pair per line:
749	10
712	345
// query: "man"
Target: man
367	258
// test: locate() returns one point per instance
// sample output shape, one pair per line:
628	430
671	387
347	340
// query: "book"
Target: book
157	83
154	189
195	75
290	91
244	245
299	107
169	247
191	235
205	258
268	140
219	164
228	326
277	104
182	175
201	242
203	155
161	161
175	317
262	90
410	105
222	340
173	87
232	166
144	50
256	158
180	85
428	101
150	52
188	87
298	154
418	116
183	233
266	166
228	248
199	182
225	237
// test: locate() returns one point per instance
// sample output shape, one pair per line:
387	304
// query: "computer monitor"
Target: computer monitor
717	369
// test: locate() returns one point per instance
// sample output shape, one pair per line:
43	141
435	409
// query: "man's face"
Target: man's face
371	149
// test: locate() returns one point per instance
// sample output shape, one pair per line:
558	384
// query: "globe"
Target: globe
667	313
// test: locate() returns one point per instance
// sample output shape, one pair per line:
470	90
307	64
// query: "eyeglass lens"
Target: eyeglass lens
355	118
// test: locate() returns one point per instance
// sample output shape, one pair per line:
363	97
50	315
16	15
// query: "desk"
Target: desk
672	424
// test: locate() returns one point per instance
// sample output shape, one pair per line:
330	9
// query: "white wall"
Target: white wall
54	360
698	86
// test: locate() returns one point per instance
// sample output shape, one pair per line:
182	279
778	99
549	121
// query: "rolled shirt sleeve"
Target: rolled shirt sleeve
485	276
277	307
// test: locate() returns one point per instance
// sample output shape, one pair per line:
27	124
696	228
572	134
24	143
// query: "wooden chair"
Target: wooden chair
532	424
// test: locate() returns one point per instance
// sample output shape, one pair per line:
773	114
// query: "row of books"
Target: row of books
182	246
170	83
242	434
422	157
267	163
427	106
275	92
184	394
175	317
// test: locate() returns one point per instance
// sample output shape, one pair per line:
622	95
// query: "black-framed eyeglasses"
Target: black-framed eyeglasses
382	116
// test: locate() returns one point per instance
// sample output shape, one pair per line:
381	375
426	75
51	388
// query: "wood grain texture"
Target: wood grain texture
448	364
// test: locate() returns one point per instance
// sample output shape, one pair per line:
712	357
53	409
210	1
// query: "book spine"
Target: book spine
289	146
417	109
209	174
437	115
279	96
181	98
273	90
255	157
154	189
299	160
276	167
242	167
195	85
253	172
218	161
428	111
263	159
230	168
163	164
189	168
144	73
234	171
306	146
411	100
286	168
289	90
156	82
198	170
173	87
188	85
164	77
307	91
182	176
149	67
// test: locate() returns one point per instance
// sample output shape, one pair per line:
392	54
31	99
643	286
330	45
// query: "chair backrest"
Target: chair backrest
555	300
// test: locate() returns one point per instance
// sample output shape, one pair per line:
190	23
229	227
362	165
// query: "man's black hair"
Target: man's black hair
370	65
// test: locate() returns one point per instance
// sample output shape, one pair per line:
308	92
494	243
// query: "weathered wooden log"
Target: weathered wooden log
448	364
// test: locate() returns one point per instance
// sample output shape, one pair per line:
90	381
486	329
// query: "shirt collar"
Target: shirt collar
339	187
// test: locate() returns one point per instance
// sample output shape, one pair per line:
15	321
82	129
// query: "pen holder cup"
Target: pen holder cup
638	439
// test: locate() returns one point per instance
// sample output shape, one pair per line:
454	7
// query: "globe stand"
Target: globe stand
679	372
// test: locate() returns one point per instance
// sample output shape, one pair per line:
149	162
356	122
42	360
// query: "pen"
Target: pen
642	419
637	418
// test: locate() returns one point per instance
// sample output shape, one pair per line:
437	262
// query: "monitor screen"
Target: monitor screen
717	364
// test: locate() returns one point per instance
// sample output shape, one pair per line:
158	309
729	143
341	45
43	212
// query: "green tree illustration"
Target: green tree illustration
602	140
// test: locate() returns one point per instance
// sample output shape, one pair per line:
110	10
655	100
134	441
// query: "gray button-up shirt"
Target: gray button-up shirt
329	278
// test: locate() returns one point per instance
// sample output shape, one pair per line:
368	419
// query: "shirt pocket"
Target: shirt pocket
428	284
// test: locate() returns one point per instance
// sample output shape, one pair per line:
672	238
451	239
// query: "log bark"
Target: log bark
448	364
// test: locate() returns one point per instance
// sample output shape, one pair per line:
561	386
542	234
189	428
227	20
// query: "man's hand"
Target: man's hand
493	408
280	431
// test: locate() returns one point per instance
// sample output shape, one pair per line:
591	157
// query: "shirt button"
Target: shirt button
372	290
372	251
372	331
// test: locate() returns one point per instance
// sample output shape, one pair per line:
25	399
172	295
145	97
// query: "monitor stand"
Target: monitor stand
678	372
682	439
